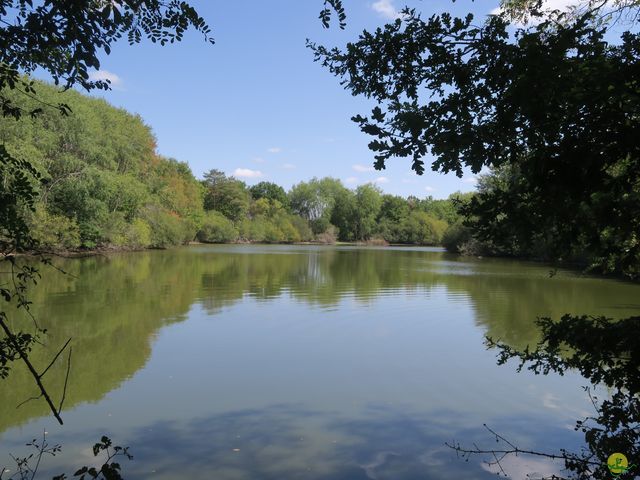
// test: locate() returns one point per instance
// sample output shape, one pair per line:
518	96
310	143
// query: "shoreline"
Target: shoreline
577	269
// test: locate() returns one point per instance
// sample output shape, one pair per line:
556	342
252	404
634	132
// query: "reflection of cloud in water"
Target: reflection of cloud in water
527	467
291	442
549	400
283	442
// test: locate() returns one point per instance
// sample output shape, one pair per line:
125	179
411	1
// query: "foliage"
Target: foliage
225	195
27	467
100	175
167	228
39	37
461	92
216	228
56	231
422	229
456	238
311	200
367	205
269	191
606	352
18	193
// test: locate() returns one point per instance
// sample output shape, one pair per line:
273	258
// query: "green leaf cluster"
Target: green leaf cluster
97	178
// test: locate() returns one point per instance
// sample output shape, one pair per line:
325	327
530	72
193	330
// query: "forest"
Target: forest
105	186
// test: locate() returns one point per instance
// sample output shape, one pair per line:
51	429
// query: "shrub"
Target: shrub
302	227
167	229
328	237
456	235
54	231
422	229
216	228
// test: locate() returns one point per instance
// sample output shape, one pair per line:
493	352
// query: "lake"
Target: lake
301	362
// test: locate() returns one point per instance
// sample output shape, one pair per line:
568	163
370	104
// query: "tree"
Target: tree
310	200
462	93
342	213
270	191
225	195
368	199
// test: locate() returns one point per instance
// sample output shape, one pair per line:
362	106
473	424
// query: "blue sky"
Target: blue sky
256	106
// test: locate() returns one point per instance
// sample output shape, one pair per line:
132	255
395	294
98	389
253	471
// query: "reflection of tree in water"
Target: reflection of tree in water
607	353
112	307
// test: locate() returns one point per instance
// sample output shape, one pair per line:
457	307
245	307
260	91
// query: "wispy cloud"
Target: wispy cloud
247	173
274	150
116	81
351	180
288	166
380	180
429	188
386	9
363	168
473	179
258	159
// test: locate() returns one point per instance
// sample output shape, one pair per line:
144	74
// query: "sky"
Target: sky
256	106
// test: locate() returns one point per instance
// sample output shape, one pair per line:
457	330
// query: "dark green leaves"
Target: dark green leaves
607	353
38	37
333	6
555	103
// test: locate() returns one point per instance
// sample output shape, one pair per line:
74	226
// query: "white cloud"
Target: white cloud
473	179
429	188
116	81
258	159
386	9
351	180
363	168
288	166
246	173
274	150
380	180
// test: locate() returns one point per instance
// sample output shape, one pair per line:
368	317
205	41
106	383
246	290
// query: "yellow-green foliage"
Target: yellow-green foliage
52	230
104	184
216	228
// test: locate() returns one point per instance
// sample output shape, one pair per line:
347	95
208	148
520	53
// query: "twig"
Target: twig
32	370
55	358
66	380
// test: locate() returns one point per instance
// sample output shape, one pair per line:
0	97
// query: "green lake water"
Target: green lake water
301	362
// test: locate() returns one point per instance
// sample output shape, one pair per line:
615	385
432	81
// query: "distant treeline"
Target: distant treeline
104	186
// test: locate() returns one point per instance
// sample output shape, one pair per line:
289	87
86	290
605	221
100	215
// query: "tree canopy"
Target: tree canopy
555	107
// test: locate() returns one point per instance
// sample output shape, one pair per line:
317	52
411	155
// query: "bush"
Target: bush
422	229
54	231
167	229
138	234
457	239
302	227
216	228
328	237
321	225
376	242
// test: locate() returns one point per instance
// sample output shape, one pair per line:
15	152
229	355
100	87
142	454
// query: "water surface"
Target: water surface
276	362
